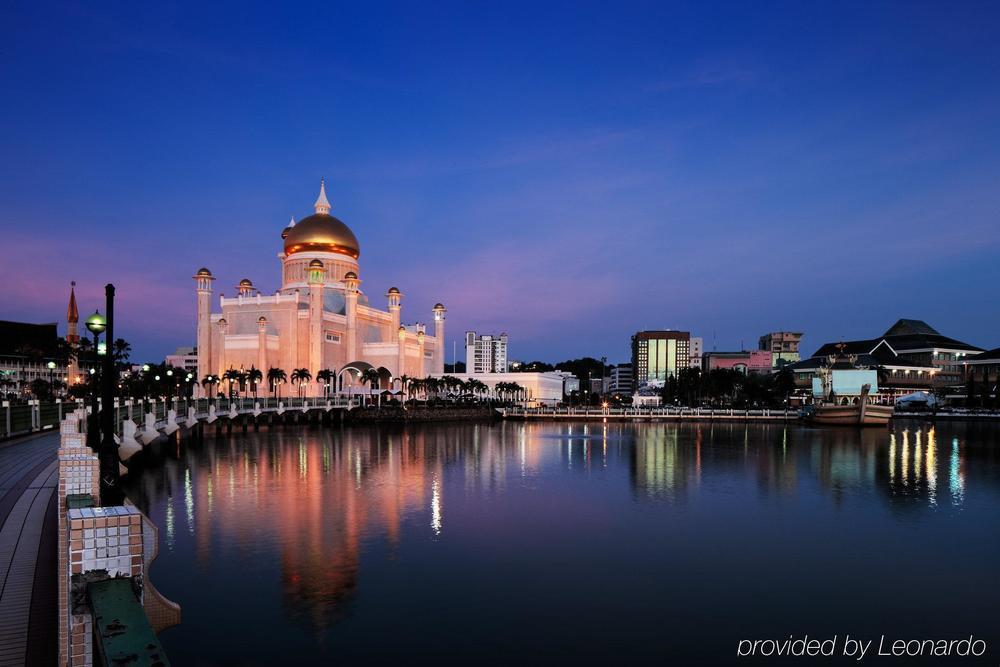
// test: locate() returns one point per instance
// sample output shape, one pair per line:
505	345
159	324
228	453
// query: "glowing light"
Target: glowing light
189	501
436	506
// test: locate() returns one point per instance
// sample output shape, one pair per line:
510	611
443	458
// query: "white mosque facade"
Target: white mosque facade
320	319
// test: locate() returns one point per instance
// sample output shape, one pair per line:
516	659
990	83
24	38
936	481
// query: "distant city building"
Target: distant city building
658	355
696	350
918	344
622	383
186	358
486	353
539	388
748	361
571	382
25	351
783	346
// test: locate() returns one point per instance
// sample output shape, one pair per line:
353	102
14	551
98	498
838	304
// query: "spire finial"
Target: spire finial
322	204
72	314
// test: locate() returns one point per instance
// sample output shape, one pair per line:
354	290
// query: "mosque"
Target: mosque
320	319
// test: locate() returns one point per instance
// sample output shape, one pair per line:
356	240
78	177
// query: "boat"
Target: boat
844	397
862	413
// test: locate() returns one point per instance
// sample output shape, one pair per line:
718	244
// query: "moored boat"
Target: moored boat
844	397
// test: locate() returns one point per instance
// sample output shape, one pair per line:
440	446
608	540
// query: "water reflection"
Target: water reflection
308	510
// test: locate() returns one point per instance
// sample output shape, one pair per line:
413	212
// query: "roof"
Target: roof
909	327
905	342
991	355
900	343
882	356
72	314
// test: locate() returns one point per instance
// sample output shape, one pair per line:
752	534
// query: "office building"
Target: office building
658	355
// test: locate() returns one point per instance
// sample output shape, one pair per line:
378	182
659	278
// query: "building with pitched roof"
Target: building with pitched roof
917	343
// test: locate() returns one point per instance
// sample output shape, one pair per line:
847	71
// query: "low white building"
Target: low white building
646	400
571	382
540	388
186	358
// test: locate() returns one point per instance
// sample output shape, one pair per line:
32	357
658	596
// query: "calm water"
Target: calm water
571	542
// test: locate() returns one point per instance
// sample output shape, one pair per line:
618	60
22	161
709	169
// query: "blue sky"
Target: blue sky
565	172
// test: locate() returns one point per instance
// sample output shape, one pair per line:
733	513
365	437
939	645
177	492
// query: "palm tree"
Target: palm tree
276	377
403	381
516	390
326	377
416	386
121	350
300	375
370	377
254	375
207	382
231	375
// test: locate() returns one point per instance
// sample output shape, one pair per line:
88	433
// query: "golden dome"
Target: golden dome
322	233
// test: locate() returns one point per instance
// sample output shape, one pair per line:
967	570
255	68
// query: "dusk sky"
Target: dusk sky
567	173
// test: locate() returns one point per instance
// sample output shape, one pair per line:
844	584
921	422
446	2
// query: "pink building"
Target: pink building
751	361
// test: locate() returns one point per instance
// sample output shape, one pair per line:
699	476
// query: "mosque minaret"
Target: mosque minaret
319	319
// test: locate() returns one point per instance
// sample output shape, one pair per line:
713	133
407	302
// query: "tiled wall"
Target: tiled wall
90	538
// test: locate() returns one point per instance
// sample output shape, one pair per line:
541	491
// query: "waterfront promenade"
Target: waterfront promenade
28	482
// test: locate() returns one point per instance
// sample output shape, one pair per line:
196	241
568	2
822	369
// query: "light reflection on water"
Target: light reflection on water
328	539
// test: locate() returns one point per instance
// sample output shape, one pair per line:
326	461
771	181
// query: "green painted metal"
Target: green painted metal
122	632
79	500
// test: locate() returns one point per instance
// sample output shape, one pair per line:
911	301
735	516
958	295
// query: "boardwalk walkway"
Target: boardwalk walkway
28	471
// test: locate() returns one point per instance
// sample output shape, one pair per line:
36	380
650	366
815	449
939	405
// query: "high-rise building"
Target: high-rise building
486	353
783	346
696	349
658	355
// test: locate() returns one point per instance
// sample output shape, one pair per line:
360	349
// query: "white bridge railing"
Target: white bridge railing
650	413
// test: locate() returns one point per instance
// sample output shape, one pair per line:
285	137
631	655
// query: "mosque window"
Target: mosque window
332	337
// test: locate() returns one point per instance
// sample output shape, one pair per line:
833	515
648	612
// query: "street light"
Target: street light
52	367
96	324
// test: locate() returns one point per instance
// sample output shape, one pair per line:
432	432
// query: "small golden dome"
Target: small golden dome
246	283
315	264
393	290
204	272
322	233
350	275
439	306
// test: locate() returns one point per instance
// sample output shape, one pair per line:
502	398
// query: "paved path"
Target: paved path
28	551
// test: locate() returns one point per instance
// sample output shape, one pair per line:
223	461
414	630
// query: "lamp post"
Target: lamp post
108	454
51	366
96	324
